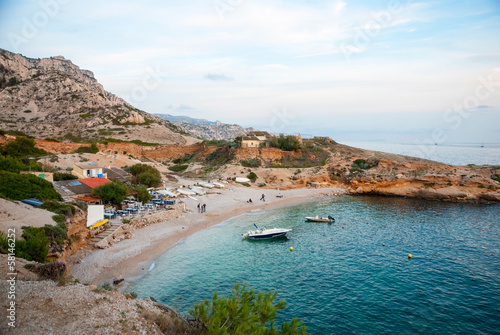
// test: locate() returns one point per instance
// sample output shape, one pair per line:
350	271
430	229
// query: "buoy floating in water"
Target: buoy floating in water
483	229
409	256
291	248
342	227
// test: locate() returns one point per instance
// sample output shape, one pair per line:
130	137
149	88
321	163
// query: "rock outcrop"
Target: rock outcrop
52	97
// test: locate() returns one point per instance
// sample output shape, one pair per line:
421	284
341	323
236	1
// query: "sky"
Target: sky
397	71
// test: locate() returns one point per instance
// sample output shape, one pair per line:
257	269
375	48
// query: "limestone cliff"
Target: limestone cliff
52	97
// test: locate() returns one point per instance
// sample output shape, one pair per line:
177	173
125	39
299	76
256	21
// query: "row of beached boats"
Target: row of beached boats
263	233
197	189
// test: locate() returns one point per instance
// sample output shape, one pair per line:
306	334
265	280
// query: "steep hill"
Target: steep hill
206	129
52	97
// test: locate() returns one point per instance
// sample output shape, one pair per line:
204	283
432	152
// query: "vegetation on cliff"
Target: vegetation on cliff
245	312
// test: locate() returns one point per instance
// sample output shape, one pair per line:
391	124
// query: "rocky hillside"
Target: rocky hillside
210	130
52	97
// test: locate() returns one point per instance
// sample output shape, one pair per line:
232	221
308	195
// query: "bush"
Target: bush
24	186
145	175
252	176
142	194
23	146
252	162
183	160
178	168
58	176
53	270
286	143
245	312
34	247
59	208
10	164
115	192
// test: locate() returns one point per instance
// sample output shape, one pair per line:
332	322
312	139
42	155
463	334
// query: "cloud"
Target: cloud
217	77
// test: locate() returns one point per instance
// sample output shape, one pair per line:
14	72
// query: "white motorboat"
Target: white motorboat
318	218
262	233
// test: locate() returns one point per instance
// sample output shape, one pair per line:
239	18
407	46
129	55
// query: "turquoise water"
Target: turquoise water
352	280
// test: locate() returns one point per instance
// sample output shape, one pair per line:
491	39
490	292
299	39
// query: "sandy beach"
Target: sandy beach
132	258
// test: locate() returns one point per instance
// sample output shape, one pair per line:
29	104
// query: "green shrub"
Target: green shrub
115	192
252	176
59	208
144	174
183	160
86	115
24	186
58	176
245	312
21	147
10	164
252	162
286	143
35	245
178	168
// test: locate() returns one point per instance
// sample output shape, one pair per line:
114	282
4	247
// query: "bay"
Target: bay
353	276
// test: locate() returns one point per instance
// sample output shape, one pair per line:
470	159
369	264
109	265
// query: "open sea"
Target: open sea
353	276
450	153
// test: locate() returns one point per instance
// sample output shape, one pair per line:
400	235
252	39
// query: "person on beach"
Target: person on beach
199	208
204	208
250	201
263	198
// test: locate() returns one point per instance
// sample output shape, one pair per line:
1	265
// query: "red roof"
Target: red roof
94	182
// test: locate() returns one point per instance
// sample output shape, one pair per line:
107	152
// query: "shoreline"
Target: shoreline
131	259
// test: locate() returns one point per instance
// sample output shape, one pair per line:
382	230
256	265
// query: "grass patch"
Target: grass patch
178	168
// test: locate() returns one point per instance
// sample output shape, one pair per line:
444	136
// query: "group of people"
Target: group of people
262	198
202	208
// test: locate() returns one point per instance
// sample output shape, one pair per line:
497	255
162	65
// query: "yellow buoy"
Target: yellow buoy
409	256
291	248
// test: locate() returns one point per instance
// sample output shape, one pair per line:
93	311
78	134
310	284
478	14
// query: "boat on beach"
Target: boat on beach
318	218
262	233
206	185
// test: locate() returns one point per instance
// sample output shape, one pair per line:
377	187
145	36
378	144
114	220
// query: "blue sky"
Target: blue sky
403	71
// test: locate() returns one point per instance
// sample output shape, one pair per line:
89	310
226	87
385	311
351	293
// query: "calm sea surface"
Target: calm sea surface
353	276
454	154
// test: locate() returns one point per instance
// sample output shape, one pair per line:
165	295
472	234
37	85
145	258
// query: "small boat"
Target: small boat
241	180
198	190
186	191
206	185
318	218
218	185
262	233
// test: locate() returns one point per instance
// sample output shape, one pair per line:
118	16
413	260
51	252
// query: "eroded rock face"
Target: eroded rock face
52	97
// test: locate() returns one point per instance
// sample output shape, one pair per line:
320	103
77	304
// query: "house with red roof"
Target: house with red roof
94	182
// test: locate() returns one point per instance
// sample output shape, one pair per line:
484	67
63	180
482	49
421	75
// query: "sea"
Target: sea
353	276
448	153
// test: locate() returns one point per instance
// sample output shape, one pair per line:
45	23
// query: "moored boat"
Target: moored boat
318	218
262	233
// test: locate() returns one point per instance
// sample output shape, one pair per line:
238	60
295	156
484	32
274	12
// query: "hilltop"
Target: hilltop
52	97
206	129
